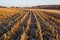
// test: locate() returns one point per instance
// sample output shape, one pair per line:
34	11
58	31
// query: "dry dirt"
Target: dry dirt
29	24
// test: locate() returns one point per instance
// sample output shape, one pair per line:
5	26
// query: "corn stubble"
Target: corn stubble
46	27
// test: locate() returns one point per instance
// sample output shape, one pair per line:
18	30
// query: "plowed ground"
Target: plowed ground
29	25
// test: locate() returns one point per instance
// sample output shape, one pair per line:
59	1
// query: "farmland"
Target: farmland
29	24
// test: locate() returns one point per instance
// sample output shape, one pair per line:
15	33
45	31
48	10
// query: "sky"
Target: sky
28	3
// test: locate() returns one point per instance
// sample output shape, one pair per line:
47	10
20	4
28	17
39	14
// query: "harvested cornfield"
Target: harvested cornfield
29	25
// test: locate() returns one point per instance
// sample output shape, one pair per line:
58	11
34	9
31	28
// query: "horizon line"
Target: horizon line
29	6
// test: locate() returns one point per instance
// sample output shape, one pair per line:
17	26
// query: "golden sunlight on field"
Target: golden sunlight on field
29	24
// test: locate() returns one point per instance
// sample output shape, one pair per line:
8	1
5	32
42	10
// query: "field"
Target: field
29	24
